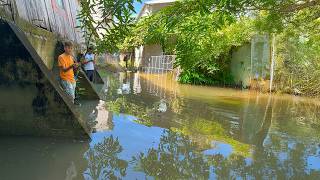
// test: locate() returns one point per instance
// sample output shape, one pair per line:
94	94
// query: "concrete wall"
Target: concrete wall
138	55
44	42
151	50
261	57
241	65
144	53
32	102
258	52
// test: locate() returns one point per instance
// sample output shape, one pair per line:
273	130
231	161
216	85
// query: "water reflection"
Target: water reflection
165	154
41	158
40	102
103	160
176	157
236	134
268	163
179	132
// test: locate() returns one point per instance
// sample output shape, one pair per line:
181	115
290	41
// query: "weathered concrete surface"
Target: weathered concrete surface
44	42
241	65
251	62
31	100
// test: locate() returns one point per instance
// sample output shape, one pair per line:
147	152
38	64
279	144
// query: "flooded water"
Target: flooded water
153	128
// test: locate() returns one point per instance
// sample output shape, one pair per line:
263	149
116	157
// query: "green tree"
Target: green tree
203	33
106	22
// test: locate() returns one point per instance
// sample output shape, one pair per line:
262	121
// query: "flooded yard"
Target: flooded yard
153	128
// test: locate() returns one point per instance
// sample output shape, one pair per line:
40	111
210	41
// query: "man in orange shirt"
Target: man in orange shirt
66	64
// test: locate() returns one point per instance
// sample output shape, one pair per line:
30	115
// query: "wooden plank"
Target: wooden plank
52	17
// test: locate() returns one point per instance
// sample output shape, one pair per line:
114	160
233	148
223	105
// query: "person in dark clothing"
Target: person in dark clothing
125	59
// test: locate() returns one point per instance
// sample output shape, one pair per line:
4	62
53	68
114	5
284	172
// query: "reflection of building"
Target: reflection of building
161	85
136	84
99	119
103	119
143	53
125	84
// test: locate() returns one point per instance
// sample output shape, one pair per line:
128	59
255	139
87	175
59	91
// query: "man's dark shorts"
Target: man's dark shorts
90	74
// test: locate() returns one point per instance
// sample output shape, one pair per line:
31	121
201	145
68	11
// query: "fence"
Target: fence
160	64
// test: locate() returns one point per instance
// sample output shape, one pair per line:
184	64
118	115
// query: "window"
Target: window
60	3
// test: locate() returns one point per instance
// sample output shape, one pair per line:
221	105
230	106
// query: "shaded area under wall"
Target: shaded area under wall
32	102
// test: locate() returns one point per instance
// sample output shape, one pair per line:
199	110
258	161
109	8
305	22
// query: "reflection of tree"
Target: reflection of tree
304	115
103	160
112	86
267	163
176	104
122	105
203	132
175	158
262	133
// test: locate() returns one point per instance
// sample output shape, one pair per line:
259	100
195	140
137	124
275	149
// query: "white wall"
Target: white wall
148	51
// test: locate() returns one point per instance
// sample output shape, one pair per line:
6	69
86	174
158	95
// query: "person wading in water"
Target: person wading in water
67	65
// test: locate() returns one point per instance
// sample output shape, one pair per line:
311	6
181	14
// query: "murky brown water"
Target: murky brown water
157	129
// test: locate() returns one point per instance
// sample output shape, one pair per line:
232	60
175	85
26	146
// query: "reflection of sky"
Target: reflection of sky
278	144
134	139
289	145
220	148
314	162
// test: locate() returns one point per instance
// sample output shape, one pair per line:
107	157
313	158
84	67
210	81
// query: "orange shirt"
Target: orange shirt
66	61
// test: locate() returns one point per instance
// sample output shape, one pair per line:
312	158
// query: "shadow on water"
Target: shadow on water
41	158
154	128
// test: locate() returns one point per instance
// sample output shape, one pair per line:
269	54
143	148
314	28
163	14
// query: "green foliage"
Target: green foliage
106	22
204	54
203	33
201	41
298	47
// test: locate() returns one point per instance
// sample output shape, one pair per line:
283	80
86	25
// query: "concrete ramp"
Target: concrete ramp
31	99
97	78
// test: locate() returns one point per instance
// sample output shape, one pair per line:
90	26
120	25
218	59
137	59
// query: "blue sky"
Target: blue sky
138	6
